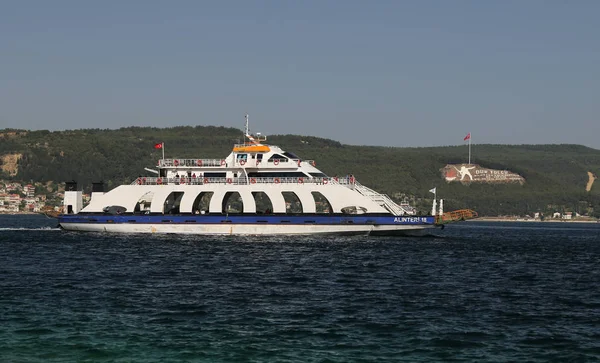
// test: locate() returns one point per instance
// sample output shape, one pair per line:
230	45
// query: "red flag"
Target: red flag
158	146
467	137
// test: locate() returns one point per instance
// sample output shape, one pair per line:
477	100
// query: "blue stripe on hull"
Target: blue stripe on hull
248	219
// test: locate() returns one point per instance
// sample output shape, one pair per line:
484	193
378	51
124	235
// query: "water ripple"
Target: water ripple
483	292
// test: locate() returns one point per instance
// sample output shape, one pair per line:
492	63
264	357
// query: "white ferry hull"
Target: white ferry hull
250	229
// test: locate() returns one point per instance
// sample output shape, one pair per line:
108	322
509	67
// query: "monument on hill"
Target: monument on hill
473	173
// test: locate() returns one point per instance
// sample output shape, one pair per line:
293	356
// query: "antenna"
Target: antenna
252	140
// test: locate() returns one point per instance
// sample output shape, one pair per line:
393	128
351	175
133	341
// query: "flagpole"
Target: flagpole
470	148
433	206
163	149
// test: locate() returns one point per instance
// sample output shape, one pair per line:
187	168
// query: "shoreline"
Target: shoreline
19	213
506	219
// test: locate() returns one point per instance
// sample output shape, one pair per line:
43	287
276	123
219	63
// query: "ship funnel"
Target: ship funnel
98	189
73	200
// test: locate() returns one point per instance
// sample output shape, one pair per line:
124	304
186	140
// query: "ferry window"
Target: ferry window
291	174
281	158
263	203
259	156
292	202
242	156
214	175
321	203
202	203
232	203
171	204
318	175
291	155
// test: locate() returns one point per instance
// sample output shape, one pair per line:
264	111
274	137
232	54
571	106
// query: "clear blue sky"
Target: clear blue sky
397	73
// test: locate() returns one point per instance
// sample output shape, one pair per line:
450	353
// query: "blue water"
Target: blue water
500	292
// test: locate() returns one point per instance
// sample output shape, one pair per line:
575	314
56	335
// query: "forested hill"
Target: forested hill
556	175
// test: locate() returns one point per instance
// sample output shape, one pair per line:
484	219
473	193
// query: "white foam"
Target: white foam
29	229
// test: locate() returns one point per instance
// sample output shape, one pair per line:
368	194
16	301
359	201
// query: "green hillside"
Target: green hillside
556	174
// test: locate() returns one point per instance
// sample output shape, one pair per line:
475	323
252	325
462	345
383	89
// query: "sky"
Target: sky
391	73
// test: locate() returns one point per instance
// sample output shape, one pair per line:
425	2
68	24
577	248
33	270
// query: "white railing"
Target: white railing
238	181
191	162
381	199
248	163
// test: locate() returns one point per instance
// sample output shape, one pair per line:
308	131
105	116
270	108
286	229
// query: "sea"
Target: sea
473	292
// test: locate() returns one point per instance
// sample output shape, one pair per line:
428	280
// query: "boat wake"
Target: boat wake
29	229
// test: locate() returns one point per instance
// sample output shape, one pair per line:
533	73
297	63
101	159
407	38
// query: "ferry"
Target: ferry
258	189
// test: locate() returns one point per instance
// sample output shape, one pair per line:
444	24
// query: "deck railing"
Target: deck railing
348	181
191	163
384	200
222	163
